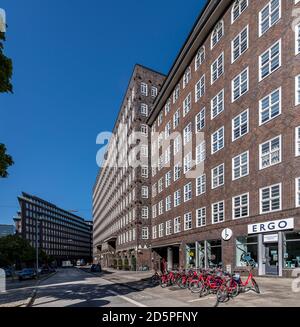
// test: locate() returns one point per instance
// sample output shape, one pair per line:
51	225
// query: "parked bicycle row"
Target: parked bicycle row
208	281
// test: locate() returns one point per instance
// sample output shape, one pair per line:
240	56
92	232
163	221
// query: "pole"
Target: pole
37	249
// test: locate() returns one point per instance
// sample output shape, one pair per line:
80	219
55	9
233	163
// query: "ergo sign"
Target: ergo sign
271	226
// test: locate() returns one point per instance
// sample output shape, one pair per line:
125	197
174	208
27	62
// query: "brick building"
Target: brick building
122	194
233	96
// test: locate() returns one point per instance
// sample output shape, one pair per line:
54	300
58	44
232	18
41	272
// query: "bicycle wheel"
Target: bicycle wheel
222	294
233	287
255	286
195	286
204	290
163	283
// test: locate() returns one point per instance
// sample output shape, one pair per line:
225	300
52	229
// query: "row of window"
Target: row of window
270	201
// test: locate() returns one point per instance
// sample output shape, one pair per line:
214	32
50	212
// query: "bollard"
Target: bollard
2	281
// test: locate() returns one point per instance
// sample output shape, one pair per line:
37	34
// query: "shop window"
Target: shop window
246	248
291	250
190	256
214	253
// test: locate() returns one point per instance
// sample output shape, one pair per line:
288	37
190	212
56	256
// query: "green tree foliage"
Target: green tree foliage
6	69
5	161
15	250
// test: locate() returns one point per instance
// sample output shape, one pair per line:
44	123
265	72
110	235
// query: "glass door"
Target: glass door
272	258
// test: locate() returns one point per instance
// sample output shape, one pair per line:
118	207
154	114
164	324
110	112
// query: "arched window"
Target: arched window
187	77
217	33
200	57
238	8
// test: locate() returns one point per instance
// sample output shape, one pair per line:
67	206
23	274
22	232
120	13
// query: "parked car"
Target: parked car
27	273
96	268
8	272
47	270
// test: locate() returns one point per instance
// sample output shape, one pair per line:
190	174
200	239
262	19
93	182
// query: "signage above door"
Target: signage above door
271	226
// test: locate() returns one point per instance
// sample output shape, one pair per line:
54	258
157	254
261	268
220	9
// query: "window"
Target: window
240	84
188	221
160	230
187	104
144	130
187	134
145	233
154	211
177	225
168	227
160	207
145	212
270	199
177	198
297	141
144	109
240	166
200	88
270	153
168	179
187	77
160	185
201	185
176	145
176	93
291	241
144	150
269	15
238	8
200	120
218	212
144	171
177	171
154	232
270	106
240	125
154	91
217	68
248	244
217	33
167	107
217	140
200	57
168	203
187	162
297	191
145	192
270	60
200	153
217	176
297	90
240	206
144	89
187	192
217	104
176	118
201	217
240	44
297	39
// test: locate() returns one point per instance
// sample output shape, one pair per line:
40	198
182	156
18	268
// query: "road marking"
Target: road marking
127	299
201	299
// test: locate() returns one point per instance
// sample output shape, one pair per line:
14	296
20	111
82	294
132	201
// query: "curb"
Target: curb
30	300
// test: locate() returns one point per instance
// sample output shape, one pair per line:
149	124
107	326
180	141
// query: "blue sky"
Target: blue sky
72	62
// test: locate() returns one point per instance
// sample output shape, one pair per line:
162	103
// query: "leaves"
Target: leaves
5	161
6	69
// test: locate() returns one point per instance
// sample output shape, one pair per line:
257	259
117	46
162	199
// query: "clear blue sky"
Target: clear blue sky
72	62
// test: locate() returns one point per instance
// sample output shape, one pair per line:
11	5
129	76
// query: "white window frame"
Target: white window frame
201	217
297	90
177	198
239	47
144	89
218	212
200	88
187	104
241	206
268	6
270	153
239	127
240	166
200	120
218	176
187	77
270	60
200	152
201	185
269	108
145	233
187	161
188	221
200	57
218	140
217	34
297	39
168	228
188	192
217	104
270	198
177	225
237	4
297	192
217	67
238	85
297	141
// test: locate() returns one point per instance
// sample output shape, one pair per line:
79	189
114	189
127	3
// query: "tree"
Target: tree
5	161
6	69
15	250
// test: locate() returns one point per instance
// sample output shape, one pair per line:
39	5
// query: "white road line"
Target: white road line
201	299
127	299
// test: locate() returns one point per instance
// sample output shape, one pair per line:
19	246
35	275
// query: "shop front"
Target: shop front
166	257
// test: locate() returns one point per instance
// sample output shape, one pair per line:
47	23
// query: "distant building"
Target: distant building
60	233
6	230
